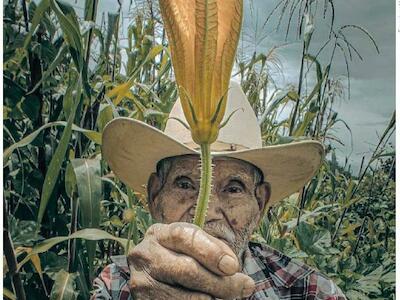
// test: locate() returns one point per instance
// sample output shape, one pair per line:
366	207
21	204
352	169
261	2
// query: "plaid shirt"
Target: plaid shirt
276	276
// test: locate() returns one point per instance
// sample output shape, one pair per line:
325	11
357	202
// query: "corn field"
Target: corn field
67	73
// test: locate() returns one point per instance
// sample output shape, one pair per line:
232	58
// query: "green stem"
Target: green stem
128	241
205	186
74	226
130	228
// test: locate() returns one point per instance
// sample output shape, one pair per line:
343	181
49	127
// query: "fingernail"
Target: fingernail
248	288
228	264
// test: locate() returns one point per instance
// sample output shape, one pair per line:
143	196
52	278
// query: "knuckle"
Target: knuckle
153	229
176	233
138	282
183	267
238	284
186	268
189	265
139	255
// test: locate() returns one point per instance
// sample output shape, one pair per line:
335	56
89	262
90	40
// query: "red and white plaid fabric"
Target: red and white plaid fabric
276	275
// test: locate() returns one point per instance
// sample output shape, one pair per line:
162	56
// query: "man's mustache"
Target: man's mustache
220	231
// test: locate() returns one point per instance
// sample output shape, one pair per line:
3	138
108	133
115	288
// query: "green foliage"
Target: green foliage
64	286
67	213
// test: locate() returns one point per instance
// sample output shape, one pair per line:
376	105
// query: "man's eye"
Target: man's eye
184	184
233	189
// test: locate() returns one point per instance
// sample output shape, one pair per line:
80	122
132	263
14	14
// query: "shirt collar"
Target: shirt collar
262	261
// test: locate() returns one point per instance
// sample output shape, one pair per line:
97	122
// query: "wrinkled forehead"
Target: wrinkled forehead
222	165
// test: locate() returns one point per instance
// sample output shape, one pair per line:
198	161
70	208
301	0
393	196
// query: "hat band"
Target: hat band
218	146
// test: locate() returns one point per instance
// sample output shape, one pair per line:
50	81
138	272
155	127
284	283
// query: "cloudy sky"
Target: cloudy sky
372	95
372	80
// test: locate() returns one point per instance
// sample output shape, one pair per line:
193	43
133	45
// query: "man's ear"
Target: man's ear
153	188
263	194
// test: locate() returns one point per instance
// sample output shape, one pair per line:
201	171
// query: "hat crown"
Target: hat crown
241	132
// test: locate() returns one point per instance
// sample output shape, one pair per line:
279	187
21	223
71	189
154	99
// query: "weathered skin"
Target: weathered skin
178	260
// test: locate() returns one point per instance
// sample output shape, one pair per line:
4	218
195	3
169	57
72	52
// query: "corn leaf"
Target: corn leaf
37	18
90	10
70	27
57	160
70	181
57	60
64	286
8	294
91	234
87	172
105	116
112	21
301	129
90	134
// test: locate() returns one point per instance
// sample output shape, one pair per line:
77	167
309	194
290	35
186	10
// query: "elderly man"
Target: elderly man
178	260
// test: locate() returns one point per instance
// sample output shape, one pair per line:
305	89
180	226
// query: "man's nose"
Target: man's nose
215	211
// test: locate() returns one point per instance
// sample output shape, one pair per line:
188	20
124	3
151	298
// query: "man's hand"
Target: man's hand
181	261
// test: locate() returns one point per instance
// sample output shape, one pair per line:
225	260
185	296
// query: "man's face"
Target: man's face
235	204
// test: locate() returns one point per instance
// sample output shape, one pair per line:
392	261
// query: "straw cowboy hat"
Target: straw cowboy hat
132	148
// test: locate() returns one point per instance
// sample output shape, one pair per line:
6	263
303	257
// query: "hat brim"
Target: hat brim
132	149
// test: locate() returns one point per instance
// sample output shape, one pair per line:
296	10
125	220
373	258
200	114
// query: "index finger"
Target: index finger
189	239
